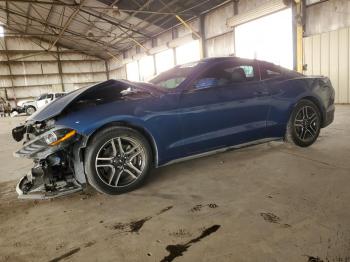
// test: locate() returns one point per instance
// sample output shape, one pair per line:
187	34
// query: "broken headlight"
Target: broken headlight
58	136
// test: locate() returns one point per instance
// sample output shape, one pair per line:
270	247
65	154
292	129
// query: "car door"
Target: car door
49	99
224	106
41	101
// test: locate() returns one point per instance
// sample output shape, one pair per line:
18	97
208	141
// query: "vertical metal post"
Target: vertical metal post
173	36
107	69
7	57
154	65
174	53
235	12
60	69
294	32
203	39
298	31
10	71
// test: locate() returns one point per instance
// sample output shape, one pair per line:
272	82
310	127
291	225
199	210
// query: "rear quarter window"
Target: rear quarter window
269	71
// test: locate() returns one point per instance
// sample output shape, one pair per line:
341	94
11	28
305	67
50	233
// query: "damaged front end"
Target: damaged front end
57	134
55	151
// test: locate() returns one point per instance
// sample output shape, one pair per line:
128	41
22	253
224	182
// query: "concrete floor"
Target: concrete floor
272	202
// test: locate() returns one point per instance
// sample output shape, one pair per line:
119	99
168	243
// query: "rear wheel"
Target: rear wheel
304	124
117	160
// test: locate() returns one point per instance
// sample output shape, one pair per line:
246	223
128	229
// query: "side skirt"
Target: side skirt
223	149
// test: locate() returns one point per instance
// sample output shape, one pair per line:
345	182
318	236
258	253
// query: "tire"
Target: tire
109	169
30	110
304	124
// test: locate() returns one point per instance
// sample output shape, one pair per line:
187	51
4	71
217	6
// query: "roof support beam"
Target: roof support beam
120	37
188	26
57	27
69	21
109	19
46	20
56	3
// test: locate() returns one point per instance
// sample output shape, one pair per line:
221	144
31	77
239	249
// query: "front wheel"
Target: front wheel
304	124
30	110
117	160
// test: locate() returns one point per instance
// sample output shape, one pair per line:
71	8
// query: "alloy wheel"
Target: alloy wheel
306	123
120	161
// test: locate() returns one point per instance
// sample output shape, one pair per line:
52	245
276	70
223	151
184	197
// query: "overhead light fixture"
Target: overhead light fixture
90	33
115	10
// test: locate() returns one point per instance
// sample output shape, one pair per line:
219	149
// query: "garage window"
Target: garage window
269	38
42	97
164	60
132	71
146	68
189	52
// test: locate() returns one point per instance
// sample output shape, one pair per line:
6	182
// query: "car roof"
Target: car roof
233	58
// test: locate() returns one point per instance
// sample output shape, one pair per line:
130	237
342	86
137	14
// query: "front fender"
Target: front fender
89	126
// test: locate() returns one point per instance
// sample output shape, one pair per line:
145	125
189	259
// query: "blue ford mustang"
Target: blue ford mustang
111	134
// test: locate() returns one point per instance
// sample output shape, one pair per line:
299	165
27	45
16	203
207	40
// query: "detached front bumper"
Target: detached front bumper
26	189
58	168
329	116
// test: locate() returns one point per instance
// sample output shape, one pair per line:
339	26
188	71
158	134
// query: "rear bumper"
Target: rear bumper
329	116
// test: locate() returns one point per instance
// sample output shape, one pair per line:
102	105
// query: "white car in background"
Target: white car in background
30	107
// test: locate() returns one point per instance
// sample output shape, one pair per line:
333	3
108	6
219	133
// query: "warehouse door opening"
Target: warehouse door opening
269	38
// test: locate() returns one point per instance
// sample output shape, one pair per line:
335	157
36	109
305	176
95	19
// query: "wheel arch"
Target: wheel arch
318	103
26	106
138	128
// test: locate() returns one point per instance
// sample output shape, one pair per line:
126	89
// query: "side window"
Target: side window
172	82
225	74
42	97
57	95
50	96
249	71
270	71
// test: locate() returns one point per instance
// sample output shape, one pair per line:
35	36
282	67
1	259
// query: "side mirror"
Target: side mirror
205	83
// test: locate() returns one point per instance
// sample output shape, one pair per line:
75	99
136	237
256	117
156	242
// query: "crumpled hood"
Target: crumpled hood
59	105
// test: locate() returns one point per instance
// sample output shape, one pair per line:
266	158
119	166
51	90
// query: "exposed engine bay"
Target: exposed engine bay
54	160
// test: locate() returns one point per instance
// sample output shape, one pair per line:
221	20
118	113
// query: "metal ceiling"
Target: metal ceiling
102	28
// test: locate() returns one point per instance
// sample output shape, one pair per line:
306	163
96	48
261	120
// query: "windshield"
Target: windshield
174	77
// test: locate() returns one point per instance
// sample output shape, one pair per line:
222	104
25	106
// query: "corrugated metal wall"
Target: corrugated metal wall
328	54
32	71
